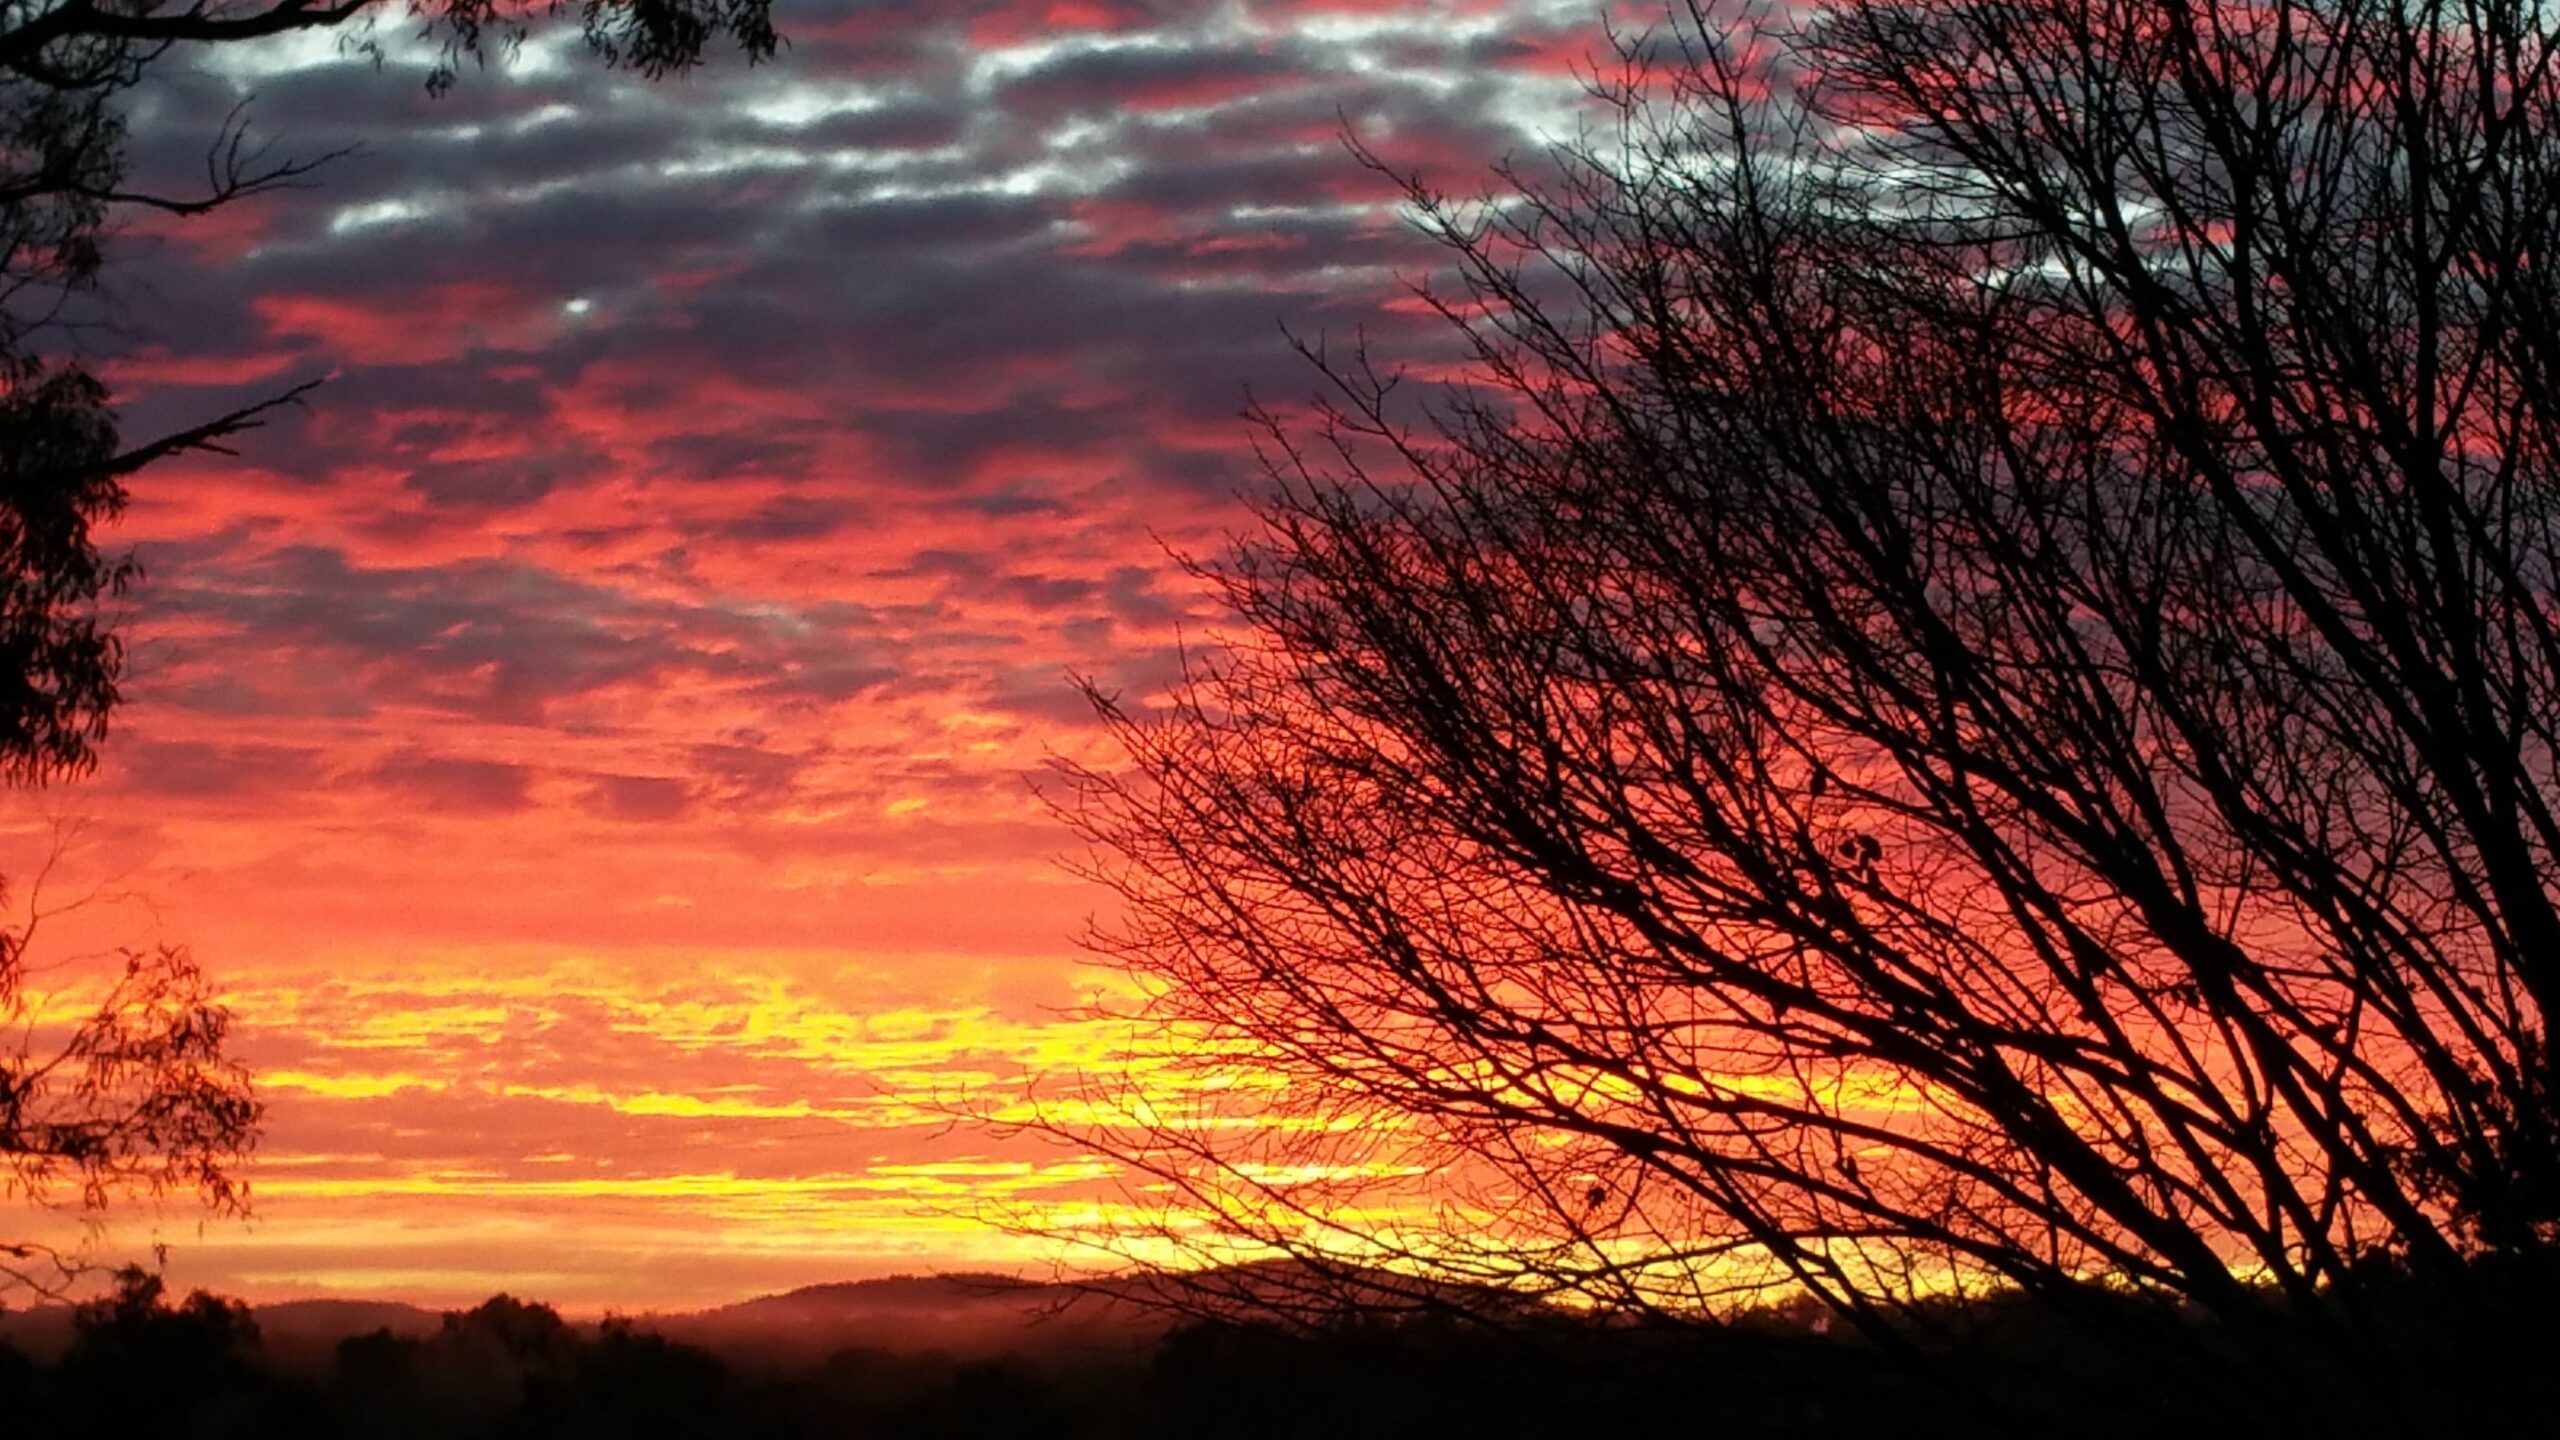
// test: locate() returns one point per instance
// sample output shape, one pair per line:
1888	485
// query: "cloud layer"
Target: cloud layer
596	737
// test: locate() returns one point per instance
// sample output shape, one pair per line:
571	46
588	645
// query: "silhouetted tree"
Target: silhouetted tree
139	1095
1966	699
632	1384
132	1095
141	1366
136	1364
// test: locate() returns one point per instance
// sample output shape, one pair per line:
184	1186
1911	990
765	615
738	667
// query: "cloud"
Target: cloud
445	784
640	798
681	572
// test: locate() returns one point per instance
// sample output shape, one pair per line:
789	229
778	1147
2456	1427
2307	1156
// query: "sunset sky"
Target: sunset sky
596	741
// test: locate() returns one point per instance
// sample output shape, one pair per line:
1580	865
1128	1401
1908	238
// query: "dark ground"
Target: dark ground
138	1364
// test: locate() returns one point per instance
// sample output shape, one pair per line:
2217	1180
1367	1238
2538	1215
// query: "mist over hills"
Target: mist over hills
1271	1351
916	1357
967	1316
963	1315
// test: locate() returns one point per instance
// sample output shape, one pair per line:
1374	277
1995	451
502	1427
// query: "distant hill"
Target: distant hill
963	1315
40	1332
292	1330
307	1332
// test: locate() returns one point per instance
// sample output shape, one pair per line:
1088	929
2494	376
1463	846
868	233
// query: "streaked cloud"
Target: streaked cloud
596	738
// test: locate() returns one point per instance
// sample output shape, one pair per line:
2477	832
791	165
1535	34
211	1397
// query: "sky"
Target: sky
597	741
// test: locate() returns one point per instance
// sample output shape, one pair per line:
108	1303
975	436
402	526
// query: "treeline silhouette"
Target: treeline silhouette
139	1363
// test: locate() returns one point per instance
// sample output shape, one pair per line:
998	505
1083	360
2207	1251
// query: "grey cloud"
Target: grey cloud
639	798
453	786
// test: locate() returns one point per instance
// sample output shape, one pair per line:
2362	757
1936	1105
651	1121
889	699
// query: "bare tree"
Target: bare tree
1965	704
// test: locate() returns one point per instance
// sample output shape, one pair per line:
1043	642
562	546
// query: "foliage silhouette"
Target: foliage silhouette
1962	704
138	1364
137	1096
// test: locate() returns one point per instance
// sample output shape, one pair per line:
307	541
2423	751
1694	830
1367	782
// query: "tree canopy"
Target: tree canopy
1963	700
